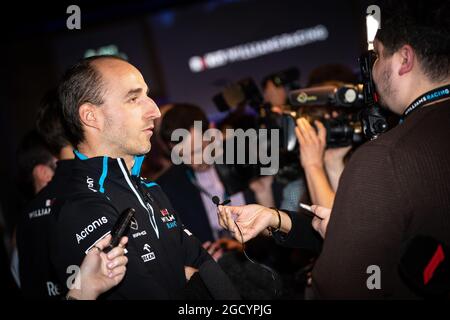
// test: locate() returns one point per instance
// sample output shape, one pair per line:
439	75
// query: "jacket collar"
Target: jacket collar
102	168
101	162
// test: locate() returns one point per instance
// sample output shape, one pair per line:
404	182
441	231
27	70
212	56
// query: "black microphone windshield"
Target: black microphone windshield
216	200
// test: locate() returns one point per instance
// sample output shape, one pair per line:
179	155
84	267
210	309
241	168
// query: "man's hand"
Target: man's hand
214	249
262	187
99	271
252	219
334	164
320	222
312	144
217	248
312	147
335	156
189	272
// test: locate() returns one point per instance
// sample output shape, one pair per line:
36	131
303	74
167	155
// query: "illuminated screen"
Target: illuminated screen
203	47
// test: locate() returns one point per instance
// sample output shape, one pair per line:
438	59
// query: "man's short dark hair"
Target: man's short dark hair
49	122
82	83
181	116
425	26
31	152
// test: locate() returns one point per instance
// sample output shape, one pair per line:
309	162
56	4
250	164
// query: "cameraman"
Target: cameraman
37	277
393	188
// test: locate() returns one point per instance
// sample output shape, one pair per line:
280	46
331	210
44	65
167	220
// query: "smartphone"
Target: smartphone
120	228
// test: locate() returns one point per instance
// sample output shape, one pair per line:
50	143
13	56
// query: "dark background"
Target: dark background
158	37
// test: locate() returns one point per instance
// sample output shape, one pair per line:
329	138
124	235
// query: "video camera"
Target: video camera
346	95
287	78
241	93
246	92
316	103
372	116
346	110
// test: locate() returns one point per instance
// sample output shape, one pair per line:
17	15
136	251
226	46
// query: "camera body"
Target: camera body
336	105
238	94
287	78
335	95
246	92
372	116
342	131
349	112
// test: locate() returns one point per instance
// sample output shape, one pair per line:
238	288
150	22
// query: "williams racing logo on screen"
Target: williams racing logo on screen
257	49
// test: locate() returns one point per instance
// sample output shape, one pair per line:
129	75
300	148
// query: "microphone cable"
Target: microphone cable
216	201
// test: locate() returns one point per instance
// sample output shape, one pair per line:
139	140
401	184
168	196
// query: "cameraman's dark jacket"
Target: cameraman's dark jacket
159	246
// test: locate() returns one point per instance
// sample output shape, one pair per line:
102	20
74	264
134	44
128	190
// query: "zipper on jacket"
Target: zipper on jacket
147	206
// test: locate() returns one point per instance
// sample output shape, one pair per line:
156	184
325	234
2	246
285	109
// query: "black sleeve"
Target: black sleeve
78	226
195	255
210	281
302	235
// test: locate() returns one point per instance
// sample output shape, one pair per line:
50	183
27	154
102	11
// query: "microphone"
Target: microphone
216	201
425	266
209	271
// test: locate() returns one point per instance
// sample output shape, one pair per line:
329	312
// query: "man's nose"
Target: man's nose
153	110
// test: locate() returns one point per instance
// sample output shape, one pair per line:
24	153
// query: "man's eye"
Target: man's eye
133	100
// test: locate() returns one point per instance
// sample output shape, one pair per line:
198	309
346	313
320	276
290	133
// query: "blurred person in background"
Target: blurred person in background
37	277
158	159
322	165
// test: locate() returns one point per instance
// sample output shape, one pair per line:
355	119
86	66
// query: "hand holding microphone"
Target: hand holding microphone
246	222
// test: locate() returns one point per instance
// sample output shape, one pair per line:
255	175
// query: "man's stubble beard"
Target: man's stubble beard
385	90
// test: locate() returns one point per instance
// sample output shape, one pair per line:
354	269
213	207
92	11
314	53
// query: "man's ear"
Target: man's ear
90	115
406	57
